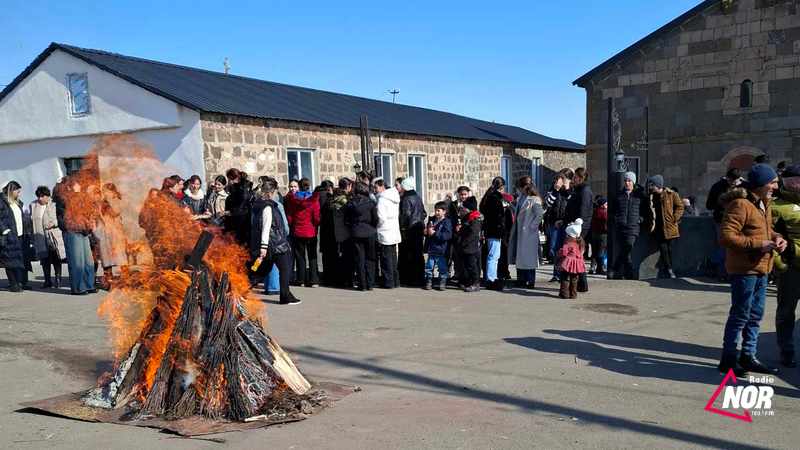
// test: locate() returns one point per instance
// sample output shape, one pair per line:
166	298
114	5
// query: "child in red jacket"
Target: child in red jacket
570	260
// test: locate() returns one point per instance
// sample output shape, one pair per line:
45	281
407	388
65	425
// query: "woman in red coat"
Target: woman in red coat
302	212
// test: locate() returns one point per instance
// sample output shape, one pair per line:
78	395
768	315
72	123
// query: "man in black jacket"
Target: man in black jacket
581	206
412	227
731	180
627	224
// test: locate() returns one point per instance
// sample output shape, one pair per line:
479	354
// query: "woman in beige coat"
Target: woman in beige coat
110	234
47	239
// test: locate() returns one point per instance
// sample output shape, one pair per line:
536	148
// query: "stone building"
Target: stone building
710	90
206	122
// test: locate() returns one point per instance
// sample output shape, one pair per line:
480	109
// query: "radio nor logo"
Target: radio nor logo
742	402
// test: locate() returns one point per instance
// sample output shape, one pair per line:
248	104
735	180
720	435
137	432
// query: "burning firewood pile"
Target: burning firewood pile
216	363
191	354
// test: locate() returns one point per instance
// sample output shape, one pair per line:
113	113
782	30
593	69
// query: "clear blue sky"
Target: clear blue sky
507	61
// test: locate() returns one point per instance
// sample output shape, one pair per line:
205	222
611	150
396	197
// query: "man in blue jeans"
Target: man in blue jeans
747	235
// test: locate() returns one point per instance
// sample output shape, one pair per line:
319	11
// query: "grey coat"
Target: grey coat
523	247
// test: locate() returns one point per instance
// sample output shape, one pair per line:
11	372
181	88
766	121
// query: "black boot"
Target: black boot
48	281
787	360
442	284
752	364
428	284
728	362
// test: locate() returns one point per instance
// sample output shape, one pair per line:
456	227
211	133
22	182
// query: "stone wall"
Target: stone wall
685	87
260	146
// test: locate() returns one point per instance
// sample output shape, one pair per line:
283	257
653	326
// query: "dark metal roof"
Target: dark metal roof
215	92
643	41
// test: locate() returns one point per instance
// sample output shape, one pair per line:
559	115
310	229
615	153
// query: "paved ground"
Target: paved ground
630	365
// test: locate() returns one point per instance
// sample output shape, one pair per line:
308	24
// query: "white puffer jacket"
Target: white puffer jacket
389	217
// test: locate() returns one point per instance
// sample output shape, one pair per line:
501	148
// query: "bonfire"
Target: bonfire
188	337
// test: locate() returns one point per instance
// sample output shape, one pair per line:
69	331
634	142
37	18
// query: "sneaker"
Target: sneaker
15	288
554	280
472	289
428	285
752	364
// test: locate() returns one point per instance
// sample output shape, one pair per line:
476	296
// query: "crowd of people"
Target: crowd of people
373	233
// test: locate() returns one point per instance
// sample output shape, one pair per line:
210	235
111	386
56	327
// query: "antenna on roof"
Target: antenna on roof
394	93
226	66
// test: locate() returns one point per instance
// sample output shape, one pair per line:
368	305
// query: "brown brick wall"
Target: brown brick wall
259	147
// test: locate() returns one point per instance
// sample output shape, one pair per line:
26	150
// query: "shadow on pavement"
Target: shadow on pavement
451	388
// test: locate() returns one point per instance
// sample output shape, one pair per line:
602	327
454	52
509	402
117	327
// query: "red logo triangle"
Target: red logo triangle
730	377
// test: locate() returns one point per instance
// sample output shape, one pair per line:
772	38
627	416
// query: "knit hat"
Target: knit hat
792	171
574	229
656	180
409	184
629	176
602	200
761	175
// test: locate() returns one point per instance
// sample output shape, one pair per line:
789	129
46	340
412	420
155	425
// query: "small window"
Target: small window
78	85
301	164
383	167
746	94
72	165
416	169
505	168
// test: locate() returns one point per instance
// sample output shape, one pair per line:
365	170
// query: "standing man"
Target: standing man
412	228
462	194
628	219
786	220
731	180
388	231
665	212
747	235
581	206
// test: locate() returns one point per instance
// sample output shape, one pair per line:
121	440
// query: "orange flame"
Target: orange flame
152	223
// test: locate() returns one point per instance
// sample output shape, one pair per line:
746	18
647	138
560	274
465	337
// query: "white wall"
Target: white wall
36	130
38	108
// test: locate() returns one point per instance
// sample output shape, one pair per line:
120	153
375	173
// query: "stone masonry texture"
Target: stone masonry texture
259	147
685	87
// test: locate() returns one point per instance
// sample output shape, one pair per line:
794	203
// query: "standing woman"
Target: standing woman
12	255
302	210
215	201
269	242
494	229
110	234
238	205
361	215
76	218
523	247
47	238
194	199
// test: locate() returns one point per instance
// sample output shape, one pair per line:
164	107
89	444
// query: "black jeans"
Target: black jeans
471	269
387	255
364	252
412	258
665	254
788	295
53	261
17	278
305	259
330	259
623	266
284	263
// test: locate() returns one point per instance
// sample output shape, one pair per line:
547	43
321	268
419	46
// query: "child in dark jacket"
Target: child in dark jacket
438	232
468	238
